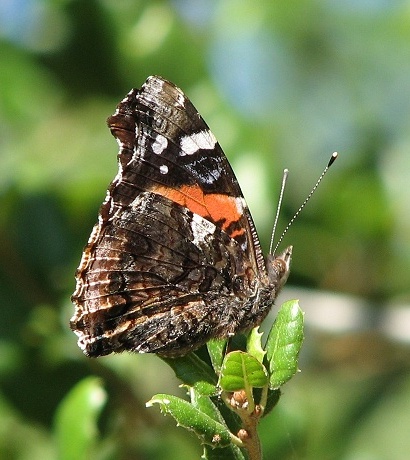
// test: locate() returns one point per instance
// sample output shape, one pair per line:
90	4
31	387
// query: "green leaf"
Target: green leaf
216	409
284	344
254	345
205	427
240	371
216	351
206	405
75	423
194	372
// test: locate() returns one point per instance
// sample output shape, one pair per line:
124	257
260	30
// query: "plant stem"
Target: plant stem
252	441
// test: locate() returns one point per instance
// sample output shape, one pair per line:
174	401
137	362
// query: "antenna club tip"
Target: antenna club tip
332	159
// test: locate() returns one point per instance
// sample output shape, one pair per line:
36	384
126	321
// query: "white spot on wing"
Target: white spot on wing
160	144
163	169
240	204
201	228
202	140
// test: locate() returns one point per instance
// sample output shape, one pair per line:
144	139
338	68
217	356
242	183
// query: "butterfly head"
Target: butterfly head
278	268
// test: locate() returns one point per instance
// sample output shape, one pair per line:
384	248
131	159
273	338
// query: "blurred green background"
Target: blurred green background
281	84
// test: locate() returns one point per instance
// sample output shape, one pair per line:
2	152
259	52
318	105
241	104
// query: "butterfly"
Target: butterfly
174	259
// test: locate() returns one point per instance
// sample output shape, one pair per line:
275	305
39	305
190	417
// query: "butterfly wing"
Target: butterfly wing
174	258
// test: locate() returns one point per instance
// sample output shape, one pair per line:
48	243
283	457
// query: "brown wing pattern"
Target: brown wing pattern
159	279
174	258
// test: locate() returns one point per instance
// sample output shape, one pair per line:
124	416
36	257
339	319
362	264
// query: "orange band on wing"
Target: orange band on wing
214	206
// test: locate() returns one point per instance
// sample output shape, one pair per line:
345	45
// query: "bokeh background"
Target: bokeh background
282	85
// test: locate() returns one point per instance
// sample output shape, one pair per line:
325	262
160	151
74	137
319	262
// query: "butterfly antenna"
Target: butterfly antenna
282	191
331	161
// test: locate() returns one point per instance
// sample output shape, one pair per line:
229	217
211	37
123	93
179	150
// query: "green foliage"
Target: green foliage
194	373
241	372
188	416
284	343
76	420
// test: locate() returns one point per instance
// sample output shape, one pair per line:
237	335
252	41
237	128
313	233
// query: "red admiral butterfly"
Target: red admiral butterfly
174	259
